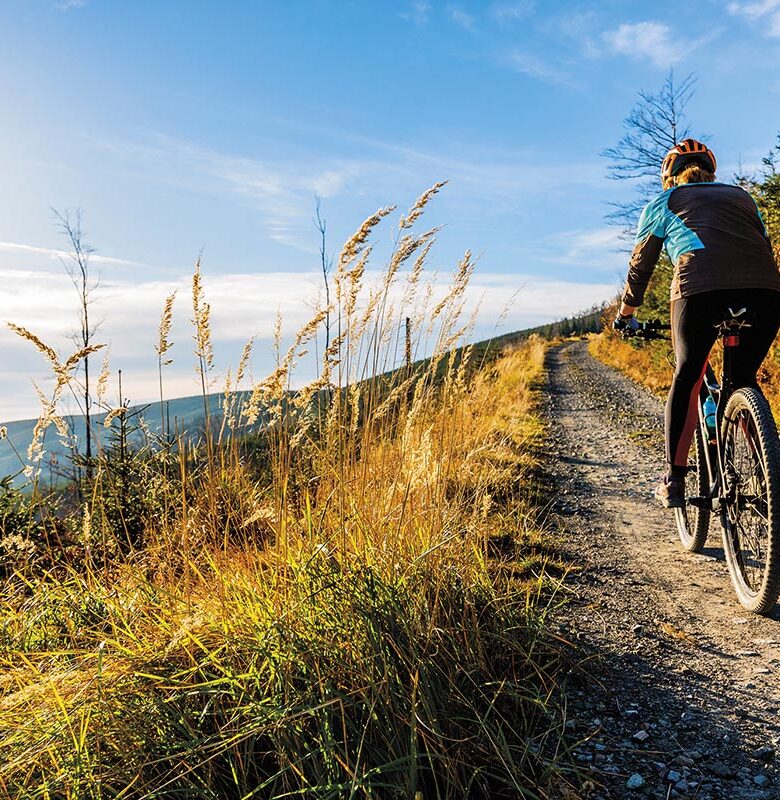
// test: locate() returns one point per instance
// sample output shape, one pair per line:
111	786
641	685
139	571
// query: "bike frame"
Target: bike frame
720	393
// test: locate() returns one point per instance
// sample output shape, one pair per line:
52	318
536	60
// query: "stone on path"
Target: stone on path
636	781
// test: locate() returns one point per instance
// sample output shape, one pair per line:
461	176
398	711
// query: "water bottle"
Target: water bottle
709	415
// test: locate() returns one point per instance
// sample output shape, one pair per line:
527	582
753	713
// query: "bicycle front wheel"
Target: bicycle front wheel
750	513
692	522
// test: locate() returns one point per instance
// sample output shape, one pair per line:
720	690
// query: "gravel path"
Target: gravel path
686	693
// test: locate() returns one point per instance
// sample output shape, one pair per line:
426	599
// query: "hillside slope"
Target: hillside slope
186	412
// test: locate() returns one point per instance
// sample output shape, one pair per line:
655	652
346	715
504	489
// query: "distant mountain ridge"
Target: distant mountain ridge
186	413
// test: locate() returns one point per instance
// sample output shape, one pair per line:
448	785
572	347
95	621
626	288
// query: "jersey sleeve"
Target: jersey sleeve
650	236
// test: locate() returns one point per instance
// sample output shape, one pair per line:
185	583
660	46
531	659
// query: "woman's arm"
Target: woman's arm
650	236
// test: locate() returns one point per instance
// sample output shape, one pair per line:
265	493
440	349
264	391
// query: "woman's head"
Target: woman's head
694	173
689	161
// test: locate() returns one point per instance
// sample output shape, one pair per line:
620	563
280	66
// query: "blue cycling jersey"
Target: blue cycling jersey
714	236
659	220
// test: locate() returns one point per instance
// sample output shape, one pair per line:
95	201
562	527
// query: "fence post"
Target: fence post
408	349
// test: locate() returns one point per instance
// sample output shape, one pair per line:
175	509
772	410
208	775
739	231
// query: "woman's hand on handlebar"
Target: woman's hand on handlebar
631	328
625	324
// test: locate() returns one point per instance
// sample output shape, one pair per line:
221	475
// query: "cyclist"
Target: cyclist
722	257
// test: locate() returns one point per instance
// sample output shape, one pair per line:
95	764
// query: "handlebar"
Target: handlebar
648	330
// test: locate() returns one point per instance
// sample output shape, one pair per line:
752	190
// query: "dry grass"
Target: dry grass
646	362
349	604
650	364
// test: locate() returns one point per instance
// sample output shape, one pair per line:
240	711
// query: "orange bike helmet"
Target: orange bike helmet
685	153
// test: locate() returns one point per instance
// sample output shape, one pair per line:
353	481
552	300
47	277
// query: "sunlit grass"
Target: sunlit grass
350	603
651	364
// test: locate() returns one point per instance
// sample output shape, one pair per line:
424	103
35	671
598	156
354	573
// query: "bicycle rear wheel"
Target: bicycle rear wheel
692	522
750	514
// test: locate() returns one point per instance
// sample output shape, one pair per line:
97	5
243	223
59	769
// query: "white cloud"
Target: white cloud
535	67
58	255
767	12
281	191
580	29
602	249
67	5
646	40
653	41
461	18
754	10
601	239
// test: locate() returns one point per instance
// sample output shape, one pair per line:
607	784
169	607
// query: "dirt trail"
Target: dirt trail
689	689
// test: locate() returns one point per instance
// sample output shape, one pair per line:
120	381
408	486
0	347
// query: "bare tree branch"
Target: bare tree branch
77	267
326	263
655	124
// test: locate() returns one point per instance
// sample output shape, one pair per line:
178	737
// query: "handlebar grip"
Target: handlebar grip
647	330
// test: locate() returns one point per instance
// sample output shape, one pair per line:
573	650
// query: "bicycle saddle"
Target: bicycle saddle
735	320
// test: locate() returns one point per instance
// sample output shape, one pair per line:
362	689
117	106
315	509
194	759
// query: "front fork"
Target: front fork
710	387
722	484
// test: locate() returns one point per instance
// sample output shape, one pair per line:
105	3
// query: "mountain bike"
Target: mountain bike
734	471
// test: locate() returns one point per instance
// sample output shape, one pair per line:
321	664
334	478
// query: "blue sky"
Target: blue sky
180	126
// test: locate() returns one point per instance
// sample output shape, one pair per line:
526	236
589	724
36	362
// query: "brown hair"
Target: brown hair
695	173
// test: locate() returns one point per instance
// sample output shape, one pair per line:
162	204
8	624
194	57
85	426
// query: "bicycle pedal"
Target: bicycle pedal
701	502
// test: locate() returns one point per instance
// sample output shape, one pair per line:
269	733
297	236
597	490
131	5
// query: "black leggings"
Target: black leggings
693	333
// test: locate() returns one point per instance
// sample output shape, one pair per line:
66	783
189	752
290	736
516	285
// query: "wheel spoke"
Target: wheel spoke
748	510
693	521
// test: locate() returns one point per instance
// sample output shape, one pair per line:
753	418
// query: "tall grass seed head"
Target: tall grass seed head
166	320
416	211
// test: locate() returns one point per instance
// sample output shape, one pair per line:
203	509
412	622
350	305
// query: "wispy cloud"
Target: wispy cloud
602	249
283	196
54	253
600	239
281	191
651	41
767	12
580	29
67	5
535	67
418	12
461	18
503	178
511	12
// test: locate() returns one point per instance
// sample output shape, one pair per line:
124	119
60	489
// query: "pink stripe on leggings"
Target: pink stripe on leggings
691	418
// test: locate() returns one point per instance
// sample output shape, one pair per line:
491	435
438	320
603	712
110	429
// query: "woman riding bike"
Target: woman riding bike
722	256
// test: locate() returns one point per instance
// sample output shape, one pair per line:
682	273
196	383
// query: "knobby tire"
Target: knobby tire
750	515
